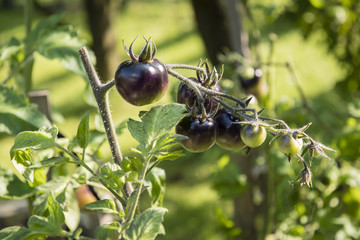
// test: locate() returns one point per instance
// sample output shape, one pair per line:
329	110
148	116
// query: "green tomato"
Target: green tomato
290	144
253	135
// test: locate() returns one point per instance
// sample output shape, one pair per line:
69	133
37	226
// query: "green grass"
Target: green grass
170	23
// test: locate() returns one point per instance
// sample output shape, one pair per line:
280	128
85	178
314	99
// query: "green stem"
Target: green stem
101	95
101	180
138	189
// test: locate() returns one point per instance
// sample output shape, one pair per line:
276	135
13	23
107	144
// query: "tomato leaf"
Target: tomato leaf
83	132
113	174
57	42
156	181
18	114
154	123
26	141
40	224
16	233
37	140
108	231
72	210
57	184
103	206
12	187
165	145
147	225
132	164
50	162
56	215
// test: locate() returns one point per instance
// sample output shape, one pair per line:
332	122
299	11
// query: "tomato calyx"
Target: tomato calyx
147	53
204	114
204	78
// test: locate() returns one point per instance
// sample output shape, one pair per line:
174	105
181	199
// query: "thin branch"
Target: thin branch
83	164
195	86
101	95
198	88
186	66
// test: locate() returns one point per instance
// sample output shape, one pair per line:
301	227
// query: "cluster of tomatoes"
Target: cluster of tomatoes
209	124
144	80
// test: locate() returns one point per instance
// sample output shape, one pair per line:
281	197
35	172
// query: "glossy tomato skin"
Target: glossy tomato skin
187	96
228	133
289	144
201	134
253	135
141	83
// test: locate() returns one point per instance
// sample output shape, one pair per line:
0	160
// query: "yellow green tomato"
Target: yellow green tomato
253	135
290	144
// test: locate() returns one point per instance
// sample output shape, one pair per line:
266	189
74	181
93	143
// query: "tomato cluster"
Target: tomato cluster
144	80
209	125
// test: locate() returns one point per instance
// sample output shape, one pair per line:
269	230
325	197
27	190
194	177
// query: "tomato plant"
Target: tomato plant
141	80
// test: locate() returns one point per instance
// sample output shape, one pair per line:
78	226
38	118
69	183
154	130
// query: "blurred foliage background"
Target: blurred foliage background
221	194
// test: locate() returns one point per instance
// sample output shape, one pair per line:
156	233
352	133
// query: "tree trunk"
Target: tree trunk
219	23
100	13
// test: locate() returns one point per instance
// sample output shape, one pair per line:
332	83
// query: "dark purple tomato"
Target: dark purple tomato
141	83
187	96
228	133
201	134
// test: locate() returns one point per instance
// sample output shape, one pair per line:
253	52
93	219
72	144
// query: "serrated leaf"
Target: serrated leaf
50	162
21	160
147	225
165	143
17	114
171	156
37	140
39	177
154	123
39	204
156	181
108	231
132	164
63	44
113	175
55	185
83	132
54	41
18	233
40	224
103	206
56	215
26	141
72	209
12	187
